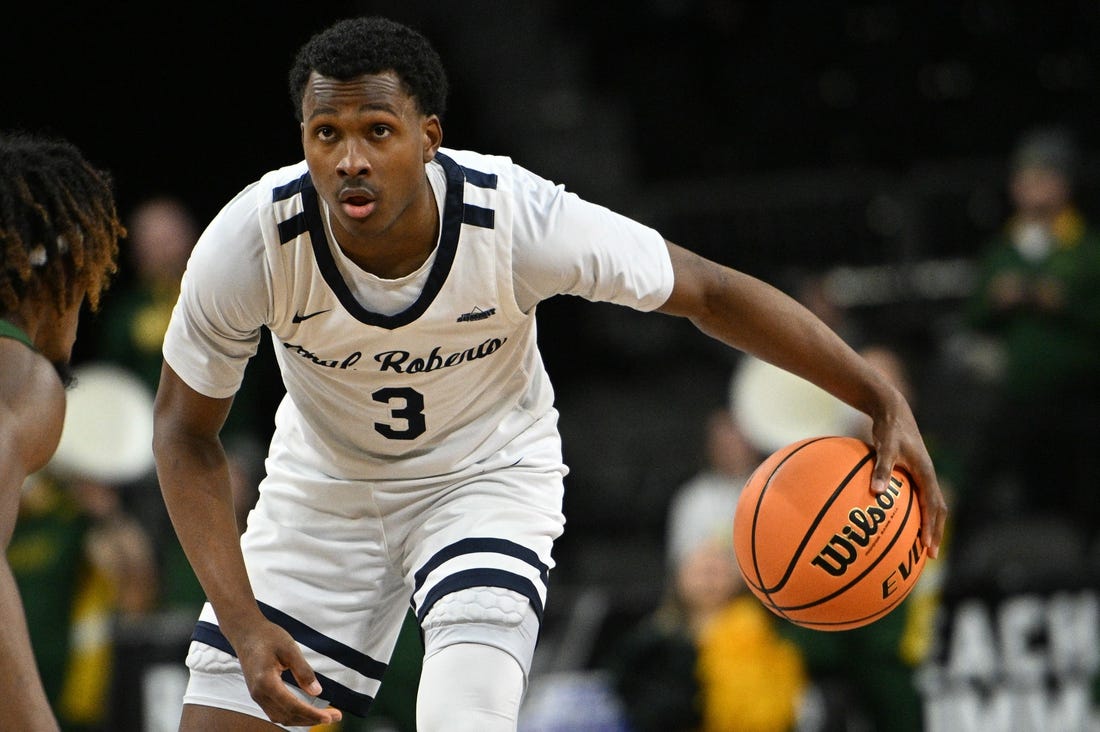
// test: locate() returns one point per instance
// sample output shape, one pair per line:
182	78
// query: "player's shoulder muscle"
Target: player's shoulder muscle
32	405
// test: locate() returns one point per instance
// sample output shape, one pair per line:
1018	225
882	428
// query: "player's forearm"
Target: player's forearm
195	482
194	478
755	317
779	330
25	703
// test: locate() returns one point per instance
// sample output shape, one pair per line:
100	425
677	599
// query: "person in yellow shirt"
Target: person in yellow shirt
710	657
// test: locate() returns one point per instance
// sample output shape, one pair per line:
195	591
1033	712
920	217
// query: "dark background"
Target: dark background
783	138
190	98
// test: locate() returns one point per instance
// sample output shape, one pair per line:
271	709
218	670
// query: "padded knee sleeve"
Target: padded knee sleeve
489	616
469	687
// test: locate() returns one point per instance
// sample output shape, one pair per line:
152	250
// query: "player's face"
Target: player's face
707	577
1039	193
366	143
57	335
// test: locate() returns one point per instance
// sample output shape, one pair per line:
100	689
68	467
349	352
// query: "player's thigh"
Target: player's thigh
479	561
497	530
198	718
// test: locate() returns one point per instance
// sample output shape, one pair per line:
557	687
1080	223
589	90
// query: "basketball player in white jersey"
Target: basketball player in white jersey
415	457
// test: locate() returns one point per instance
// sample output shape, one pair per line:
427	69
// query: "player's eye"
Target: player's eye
324	132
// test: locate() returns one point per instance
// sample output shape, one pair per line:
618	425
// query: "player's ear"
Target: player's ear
433	136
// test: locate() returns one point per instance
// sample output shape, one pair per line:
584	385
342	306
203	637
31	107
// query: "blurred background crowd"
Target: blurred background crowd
924	176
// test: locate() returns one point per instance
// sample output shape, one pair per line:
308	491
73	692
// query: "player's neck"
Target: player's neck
29	318
401	249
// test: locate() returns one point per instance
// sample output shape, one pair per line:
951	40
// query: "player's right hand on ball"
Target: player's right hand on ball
265	653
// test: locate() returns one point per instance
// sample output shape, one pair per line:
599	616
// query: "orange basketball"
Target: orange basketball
817	546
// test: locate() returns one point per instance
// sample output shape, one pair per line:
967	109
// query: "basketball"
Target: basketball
816	546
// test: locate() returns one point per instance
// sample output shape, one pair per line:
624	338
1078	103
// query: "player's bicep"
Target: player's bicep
32	420
30	429
696	282
739	310
182	413
13	472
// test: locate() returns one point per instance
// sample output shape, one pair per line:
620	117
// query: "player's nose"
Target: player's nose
355	158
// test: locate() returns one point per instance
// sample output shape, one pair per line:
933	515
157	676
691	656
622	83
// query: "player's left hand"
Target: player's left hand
265	652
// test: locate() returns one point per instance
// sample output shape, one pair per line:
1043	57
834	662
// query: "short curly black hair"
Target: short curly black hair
59	227
371	45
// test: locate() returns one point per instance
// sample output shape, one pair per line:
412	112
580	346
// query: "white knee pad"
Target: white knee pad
469	687
489	616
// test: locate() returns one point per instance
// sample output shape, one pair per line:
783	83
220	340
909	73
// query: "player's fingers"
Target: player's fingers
934	512
885	459
919	466
932	504
300	714
305	678
278	661
304	715
307	681
284	707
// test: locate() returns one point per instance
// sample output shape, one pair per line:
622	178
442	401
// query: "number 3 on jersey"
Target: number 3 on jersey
406	405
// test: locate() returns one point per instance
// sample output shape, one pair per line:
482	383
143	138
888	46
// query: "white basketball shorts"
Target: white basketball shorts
338	563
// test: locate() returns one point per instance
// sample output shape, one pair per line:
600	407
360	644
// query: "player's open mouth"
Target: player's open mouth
357	204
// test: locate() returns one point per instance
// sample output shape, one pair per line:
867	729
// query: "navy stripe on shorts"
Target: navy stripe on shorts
481	577
335	693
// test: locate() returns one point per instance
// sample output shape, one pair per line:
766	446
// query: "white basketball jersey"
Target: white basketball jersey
424	392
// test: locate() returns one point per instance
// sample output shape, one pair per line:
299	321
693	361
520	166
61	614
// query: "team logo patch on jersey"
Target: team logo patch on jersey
476	314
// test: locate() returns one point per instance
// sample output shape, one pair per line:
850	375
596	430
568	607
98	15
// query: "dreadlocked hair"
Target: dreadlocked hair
59	228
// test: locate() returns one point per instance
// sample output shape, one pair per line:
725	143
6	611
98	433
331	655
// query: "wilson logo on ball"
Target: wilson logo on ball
836	556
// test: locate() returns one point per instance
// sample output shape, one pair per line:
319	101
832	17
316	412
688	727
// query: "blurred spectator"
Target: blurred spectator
1039	298
162	234
709	657
130	330
118	546
703	507
752	677
812	290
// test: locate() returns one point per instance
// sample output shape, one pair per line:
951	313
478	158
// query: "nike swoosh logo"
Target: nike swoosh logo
298	317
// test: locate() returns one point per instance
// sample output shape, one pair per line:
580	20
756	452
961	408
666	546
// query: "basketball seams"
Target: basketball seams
855	622
759	584
813	525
